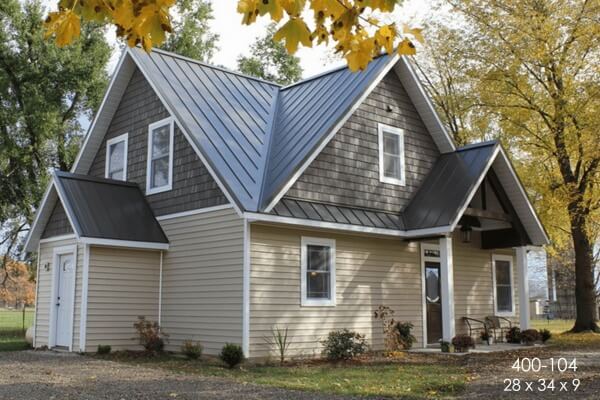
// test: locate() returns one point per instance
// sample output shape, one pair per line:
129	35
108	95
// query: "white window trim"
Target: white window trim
151	127
122	138
499	257
306	302
381	128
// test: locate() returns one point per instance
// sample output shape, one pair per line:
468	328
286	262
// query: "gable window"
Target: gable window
391	155
116	158
317	258
159	172
503	284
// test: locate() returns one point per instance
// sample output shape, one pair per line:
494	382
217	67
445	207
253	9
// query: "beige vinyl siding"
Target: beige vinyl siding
473	284
202	279
123	284
369	271
44	291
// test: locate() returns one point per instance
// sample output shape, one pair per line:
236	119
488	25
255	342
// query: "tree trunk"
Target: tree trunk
585	292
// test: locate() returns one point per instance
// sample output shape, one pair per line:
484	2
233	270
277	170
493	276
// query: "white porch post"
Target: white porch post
447	288
523	287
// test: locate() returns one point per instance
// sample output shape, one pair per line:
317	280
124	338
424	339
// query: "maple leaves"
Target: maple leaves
354	26
144	22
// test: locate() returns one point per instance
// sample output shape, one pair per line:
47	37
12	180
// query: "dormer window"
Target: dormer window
116	158
159	172
391	155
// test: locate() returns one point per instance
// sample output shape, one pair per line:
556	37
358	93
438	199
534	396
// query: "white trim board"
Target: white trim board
151	128
124	243
306	241
58	238
382	129
194	212
84	298
510	259
246	269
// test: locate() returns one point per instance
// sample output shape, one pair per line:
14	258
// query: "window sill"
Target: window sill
158	190
317	303
392	181
504	314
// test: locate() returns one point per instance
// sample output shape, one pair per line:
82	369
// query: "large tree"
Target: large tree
270	61
191	36
533	78
45	94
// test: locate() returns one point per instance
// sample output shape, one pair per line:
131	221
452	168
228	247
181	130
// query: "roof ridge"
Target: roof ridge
222	69
476	145
81	177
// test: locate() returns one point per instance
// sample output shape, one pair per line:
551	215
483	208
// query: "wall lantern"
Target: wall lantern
465	232
47	267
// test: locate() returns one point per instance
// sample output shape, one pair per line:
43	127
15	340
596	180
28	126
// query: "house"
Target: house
222	205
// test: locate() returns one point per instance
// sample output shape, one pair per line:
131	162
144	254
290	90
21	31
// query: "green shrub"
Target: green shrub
405	337
529	336
545	335
462	343
344	345
513	335
150	335
232	354
192	350
103	349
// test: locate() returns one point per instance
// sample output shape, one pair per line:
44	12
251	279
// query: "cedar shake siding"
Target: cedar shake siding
346	172
370	271
58	224
193	186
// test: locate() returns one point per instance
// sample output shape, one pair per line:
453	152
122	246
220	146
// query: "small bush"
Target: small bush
447	347
280	340
344	345
405	337
232	354
462	343
103	349
192	350
545	335
150	335
513	335
529	336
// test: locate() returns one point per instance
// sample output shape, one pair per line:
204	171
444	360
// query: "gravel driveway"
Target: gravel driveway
29	375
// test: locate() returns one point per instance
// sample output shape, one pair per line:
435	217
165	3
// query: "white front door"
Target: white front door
64	299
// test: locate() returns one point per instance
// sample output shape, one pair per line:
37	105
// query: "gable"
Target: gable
58	224
193	185
346	172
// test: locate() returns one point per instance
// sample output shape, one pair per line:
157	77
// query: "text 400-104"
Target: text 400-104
536	364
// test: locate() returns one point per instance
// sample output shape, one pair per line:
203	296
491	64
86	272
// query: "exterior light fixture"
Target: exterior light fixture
465	232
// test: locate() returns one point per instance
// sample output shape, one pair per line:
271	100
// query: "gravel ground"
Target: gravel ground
30	375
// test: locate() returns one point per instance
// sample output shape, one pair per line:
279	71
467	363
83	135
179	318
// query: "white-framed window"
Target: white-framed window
317	260
116	158
502	276
391	155
159	170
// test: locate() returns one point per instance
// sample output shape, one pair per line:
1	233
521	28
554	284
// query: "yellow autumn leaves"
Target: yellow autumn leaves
142	22
354	26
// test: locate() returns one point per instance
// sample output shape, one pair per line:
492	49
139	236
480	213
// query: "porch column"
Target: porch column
523	287
447	288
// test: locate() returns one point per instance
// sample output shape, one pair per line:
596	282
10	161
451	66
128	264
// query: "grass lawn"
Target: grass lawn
408	381
12	336
553	325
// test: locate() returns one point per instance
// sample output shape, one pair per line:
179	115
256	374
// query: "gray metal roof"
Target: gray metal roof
108	209
253	134
332	213
447	186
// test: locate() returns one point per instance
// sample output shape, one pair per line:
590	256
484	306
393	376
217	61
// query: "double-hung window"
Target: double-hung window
116	158
159	171
503	284
391	155
318	272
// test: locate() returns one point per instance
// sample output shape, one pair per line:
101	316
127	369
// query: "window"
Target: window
318	272
159	171
503	284
391	155
116	158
